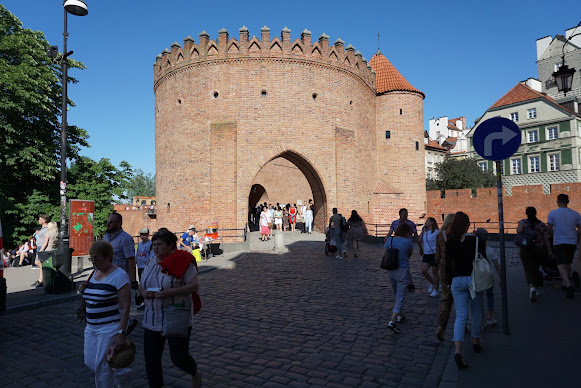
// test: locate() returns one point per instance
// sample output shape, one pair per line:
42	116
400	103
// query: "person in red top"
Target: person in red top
292	218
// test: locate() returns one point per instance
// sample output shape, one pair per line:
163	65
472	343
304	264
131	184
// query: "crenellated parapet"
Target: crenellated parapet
317	53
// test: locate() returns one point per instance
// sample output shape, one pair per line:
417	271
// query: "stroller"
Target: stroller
330	246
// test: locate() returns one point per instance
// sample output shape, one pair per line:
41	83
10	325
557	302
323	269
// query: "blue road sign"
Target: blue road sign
496	138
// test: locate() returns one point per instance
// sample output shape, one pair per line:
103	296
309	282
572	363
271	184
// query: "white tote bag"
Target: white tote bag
482	275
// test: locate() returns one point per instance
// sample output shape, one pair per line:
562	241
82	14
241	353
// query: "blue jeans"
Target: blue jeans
463	302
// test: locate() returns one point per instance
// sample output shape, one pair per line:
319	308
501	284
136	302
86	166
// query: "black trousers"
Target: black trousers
153	344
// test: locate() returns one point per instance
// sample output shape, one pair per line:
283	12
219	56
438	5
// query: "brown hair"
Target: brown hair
103	248
403	229
458	227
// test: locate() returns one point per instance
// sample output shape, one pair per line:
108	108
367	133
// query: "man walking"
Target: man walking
123	252
339	236
565	225
403	217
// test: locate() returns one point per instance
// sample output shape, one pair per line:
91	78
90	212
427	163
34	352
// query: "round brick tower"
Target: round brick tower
226	108
400	180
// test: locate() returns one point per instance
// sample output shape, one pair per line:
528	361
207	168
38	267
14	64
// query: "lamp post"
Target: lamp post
564	76
63	254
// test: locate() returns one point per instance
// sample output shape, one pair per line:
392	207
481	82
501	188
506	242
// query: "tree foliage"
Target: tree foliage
141	184
99	182
30	112
456	173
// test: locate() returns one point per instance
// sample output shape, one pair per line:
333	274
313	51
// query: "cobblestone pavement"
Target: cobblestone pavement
300	319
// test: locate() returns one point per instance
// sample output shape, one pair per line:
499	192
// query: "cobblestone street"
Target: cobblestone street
298	319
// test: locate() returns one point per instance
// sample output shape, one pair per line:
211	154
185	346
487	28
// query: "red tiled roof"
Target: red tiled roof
519	93
434	144
387	78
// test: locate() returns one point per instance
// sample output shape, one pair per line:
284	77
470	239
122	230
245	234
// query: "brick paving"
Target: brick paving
301	319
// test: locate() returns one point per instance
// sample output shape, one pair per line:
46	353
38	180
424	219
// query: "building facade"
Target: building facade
227	108
550	151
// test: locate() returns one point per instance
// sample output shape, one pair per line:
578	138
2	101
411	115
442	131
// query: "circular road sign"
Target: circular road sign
496	138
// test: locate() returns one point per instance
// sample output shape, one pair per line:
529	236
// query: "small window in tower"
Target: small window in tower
417	146
400	112
216	94
263	93
179	101
387	134
315	96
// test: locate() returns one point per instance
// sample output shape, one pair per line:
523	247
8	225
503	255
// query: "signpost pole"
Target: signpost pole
505	328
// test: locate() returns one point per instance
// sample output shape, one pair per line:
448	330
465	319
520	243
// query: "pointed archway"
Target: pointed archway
309	177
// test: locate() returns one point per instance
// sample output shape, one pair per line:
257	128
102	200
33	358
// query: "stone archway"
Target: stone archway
308	177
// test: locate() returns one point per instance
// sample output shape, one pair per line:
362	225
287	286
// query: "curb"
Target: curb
62	298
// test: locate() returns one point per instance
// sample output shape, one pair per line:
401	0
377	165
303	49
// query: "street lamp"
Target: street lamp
564	76
63	254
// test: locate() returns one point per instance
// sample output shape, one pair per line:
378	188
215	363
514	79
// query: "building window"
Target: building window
515	166
552	133
429	158
532	113
554	162
534	163
514	116
532	136
483	166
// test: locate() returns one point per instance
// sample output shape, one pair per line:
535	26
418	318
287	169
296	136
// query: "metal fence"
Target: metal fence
381	230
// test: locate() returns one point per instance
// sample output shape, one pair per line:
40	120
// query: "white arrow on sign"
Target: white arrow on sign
505	135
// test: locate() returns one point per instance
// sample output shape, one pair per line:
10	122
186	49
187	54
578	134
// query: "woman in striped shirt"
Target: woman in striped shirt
107	297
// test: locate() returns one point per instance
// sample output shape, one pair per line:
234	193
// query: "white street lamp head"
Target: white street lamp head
76	7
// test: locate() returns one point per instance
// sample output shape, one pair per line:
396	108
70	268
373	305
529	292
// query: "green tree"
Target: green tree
456	173
100	182
30	111
141	184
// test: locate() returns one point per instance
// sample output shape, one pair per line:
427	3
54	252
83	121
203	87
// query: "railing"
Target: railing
381	230
243	235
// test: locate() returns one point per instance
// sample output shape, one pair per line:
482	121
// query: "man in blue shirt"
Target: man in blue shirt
188	238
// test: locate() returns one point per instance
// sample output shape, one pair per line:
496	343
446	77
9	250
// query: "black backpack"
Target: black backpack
526	238
344	225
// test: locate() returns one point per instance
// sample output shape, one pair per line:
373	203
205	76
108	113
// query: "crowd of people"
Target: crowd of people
449	253
282	217
163	272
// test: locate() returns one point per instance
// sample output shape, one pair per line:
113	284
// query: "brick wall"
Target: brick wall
311	103
134	220
484	205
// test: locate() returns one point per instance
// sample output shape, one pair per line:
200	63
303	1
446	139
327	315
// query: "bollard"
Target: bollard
279	246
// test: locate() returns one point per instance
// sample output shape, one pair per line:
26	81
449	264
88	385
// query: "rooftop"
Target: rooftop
387	78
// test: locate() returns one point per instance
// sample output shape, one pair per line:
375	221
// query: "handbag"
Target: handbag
482	275
81	311
390	259
176	318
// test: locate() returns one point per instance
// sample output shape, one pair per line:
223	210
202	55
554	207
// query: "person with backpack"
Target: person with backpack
460	254
400	277
533	241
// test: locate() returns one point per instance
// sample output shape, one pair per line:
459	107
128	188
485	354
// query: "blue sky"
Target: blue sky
464	55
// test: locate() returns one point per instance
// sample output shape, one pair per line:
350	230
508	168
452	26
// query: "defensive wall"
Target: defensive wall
484	206
226	108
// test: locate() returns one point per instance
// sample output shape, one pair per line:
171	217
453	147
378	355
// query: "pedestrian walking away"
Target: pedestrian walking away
400	277
445	306
403	218
492	257
535	252
356	231
338	235
565	226
460	252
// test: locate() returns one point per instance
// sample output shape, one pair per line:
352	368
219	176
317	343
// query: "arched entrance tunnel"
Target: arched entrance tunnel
289	178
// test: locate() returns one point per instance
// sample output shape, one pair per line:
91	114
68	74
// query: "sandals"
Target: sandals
460	361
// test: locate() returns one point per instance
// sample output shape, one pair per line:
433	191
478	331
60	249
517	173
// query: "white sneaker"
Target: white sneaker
434	293
491	322
431	288
533	294
338	257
